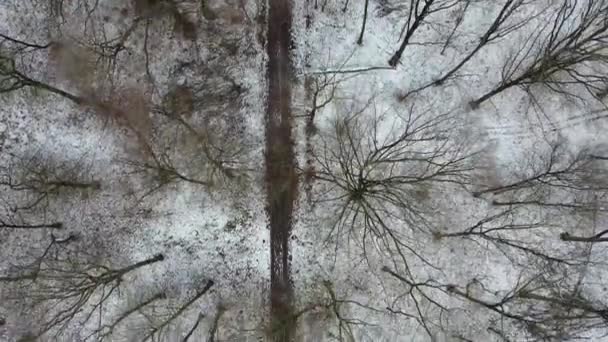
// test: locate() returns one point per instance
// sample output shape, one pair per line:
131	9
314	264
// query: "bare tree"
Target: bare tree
546	308
334	308
599	237
34	180
106	330
152	317
157	328
12	78
459	19
419	10
196	134
575	178
557	188
513	233
78	288
320	91
32	184
214	135
69	284
549	305
185	149
360	39
568	51
423	296
502	25
378	173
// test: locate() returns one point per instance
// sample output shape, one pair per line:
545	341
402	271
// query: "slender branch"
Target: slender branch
177	313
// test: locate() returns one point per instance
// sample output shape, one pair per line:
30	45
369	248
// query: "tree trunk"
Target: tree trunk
458	66
595	238
418	18
37	84
360	40
476	103
156	258
55	225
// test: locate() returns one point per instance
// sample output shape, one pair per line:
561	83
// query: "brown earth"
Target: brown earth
281	177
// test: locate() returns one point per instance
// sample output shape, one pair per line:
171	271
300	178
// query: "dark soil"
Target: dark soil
281	177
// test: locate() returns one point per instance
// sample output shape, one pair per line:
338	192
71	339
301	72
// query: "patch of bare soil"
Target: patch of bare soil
281	177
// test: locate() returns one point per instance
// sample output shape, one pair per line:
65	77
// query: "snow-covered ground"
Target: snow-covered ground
507	132
219	235
344	288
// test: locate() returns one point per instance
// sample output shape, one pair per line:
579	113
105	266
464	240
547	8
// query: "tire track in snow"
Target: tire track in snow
281	177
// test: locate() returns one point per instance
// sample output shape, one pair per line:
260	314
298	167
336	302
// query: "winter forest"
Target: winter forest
303	170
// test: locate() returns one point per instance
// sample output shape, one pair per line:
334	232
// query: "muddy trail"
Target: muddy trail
281	178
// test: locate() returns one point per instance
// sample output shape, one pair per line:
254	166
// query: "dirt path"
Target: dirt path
281	178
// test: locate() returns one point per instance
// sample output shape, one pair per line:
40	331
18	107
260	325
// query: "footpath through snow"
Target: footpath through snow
281	179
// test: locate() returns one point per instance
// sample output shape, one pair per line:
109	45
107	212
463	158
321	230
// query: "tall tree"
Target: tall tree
566	52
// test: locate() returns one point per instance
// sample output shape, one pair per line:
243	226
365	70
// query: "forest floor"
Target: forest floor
281	178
